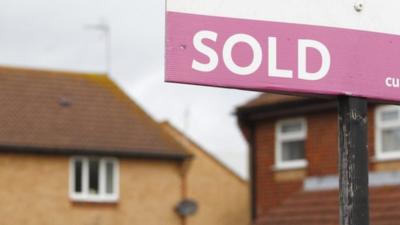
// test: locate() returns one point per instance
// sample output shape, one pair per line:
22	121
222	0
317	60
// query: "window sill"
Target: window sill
94	199
292	166
386	158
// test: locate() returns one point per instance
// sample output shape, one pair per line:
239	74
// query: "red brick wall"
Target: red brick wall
268	192
321	153
322	143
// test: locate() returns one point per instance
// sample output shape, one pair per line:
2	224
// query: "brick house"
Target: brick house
294	145
74	149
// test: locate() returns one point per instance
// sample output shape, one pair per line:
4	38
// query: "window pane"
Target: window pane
291	127
390	115
292	150
93	176
78	176
391	140
109	178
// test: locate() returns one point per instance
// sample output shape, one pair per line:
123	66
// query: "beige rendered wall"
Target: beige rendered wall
222	196
34	190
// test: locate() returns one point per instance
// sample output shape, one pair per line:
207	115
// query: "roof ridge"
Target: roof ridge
40	71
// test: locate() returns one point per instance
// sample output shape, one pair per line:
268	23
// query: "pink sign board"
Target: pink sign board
281	57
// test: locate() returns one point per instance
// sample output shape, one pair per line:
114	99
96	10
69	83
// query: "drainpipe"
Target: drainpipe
184	186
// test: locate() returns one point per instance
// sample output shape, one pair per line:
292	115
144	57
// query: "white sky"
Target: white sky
52	34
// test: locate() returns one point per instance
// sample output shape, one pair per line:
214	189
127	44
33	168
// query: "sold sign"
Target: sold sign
234	44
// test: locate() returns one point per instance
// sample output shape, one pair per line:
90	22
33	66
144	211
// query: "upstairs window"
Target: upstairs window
387	132
290	140
94	179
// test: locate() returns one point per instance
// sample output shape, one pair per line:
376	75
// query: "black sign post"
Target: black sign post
353	161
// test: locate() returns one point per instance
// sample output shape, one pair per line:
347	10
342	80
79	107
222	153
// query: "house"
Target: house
294	145
222	196
74	149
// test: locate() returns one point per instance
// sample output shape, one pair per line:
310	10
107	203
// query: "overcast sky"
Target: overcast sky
54	34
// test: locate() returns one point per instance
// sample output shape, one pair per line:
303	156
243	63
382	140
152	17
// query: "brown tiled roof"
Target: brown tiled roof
321	207
270	99
270	105
68	112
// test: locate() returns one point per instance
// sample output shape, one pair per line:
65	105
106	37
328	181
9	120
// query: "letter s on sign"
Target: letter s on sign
212	55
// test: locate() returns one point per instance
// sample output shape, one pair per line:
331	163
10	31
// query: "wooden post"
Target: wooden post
353	161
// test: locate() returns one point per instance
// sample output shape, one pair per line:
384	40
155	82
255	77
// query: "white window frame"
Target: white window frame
85	196
379	126
280	138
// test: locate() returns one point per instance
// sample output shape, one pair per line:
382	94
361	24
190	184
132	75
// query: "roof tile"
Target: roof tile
271	99
322	207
